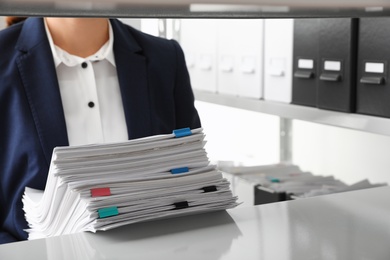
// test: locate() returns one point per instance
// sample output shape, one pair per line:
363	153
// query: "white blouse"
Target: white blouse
90	94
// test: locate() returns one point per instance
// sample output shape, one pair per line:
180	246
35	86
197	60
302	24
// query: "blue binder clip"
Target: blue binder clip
182	132
179	170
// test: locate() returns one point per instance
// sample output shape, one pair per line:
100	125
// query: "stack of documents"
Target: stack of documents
277	182
300	184
104	186
329	189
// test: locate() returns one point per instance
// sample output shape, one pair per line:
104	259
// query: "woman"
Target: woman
71	81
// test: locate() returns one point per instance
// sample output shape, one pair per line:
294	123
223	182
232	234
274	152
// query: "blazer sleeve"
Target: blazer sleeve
186	113
6	237
22	158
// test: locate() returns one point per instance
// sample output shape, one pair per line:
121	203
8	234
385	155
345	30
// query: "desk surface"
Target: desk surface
352	225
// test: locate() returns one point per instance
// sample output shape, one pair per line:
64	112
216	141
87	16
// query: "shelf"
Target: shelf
370	124
196	9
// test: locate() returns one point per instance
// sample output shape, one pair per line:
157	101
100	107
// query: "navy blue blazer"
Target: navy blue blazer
156	93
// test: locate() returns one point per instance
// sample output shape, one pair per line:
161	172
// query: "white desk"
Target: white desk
352	225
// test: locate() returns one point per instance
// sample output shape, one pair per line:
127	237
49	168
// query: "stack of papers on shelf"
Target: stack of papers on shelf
329	189
284	181
299	184
100	187
245	178
302	184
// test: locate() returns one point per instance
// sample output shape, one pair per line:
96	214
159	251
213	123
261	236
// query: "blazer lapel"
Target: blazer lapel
38	74
132	74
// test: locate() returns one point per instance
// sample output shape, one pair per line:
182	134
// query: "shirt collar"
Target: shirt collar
61	56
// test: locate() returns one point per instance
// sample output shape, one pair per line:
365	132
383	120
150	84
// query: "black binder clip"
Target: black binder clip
181	205
209	188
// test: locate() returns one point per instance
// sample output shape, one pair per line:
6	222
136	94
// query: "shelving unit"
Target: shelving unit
365	123
200	9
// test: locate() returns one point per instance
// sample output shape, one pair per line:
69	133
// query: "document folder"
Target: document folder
278	54
306	33
373	88
337	57
240	57
198	39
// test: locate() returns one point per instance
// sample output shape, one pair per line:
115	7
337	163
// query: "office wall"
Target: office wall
349	155
136	23
2	22
239	136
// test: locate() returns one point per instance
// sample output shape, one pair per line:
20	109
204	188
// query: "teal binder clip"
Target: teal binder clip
179	170
273	179
182	132
108	212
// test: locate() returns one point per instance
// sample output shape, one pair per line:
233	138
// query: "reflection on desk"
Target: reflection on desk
352	225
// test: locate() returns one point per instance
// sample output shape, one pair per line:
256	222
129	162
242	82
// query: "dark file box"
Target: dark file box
373	86
336	83
305	52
